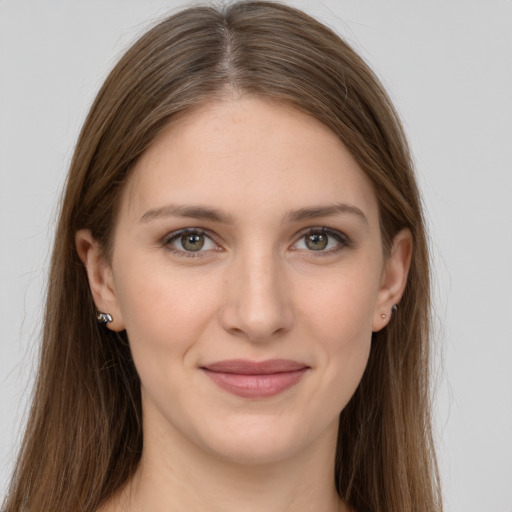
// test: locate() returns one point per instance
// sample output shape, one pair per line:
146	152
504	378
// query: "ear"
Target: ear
99	273
394	279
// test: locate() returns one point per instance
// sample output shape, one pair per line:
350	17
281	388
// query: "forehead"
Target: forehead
247	154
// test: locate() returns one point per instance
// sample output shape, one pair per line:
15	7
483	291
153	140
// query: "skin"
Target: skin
255	291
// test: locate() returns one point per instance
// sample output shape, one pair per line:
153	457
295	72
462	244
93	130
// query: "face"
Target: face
247	270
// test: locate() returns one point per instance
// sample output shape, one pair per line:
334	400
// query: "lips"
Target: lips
255	379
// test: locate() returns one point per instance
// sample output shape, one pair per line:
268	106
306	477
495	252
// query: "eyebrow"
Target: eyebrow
213	214
316	212
188	211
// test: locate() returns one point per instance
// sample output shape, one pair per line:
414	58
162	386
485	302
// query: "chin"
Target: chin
261	441
255	450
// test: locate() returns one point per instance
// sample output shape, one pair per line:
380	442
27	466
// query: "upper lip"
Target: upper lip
247	367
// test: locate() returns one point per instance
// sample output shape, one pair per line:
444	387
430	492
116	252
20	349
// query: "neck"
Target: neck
179	476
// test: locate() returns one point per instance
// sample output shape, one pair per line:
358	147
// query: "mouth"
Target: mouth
255	379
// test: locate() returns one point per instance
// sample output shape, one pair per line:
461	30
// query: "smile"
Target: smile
251	379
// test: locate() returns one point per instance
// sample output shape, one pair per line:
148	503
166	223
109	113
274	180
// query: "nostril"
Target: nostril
256	324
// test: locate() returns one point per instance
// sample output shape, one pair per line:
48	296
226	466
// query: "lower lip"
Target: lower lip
256	386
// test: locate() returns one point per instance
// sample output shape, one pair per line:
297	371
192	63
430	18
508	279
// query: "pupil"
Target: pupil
192	242
316	242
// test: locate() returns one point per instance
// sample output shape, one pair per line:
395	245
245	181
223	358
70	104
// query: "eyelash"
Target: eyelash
341	238
167	242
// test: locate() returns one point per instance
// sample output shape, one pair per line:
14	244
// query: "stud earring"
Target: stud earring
103	318
383	316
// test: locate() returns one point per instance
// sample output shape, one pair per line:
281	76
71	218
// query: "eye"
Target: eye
190	241
321	240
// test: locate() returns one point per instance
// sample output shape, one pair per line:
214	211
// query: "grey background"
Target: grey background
448	67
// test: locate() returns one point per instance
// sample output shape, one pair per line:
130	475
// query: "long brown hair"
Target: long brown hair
84	436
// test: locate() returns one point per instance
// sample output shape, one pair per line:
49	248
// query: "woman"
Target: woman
240	222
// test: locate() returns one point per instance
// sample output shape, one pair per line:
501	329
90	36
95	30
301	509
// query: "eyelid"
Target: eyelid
342	239
170	237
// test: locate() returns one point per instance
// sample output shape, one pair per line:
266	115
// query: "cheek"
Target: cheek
340	312
342	303
164	311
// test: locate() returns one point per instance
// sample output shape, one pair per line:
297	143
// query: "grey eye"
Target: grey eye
316	241
321	240
192	241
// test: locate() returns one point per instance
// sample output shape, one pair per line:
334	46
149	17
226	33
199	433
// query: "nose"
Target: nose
258	302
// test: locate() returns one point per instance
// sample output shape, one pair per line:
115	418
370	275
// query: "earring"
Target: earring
394	309
103	318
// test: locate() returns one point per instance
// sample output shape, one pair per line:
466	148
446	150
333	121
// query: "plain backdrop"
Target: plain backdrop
448	67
